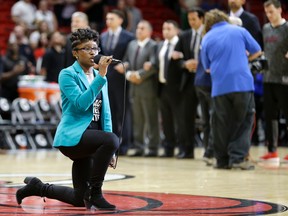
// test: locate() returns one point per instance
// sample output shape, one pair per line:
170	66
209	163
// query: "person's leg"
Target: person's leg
150	110
189	108
91	160
204	97
138	126
101	145
241	127
168	123
220	124
271	114
282	93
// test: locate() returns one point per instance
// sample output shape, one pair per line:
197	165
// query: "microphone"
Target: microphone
114	61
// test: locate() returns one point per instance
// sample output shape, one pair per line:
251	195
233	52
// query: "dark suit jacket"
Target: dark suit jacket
116	79
174	76
183	46
251	23
69	58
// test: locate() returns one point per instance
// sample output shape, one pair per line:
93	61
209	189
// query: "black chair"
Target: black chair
25	118
7	128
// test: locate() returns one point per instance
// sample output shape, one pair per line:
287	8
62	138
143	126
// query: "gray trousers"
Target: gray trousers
232	121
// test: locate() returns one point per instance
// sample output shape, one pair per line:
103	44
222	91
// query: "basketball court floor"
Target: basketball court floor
152	186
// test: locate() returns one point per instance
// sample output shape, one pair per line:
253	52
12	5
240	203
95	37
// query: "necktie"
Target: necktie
166	61
110	42
135	59
193	45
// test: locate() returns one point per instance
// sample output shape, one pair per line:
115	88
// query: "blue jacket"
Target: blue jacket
77	105
224	52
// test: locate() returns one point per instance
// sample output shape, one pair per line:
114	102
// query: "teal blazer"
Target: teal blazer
77	105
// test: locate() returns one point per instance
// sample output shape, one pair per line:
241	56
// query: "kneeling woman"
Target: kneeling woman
84	133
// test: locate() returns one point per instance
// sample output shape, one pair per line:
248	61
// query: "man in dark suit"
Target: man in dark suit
114	42
169	84
251	23
187	50
141	59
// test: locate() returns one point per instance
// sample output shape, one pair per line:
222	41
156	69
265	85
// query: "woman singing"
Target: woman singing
84	133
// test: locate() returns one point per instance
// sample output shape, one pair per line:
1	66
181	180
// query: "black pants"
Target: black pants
91	158
205	100
232	120
188	109
275	100
171	117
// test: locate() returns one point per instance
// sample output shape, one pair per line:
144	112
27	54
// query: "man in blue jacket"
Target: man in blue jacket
224	54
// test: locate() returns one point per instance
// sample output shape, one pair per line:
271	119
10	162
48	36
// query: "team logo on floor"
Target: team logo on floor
141	203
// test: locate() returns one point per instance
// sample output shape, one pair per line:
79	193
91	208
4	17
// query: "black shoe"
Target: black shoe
167	155
96	201
222	166
34	187
185	155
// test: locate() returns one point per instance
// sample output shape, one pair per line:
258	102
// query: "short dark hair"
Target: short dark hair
198	10
82	36
119	13
276	3
173	22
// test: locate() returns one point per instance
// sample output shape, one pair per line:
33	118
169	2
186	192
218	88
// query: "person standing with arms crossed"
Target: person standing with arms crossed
84	133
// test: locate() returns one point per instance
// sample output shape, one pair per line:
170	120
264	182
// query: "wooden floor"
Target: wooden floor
144	175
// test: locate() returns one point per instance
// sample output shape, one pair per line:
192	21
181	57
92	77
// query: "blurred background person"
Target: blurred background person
224	54
79	20
23	12
169	85
19	36
96	11
63	10
187	50
136	15
251	23
114	42
275	34
14	65
34	37
43	13
54	58
140	58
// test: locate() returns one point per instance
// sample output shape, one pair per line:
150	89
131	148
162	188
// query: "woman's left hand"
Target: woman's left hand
113	162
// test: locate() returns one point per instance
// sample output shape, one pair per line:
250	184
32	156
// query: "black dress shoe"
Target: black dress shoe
222	166
167	155
185	155
151	154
